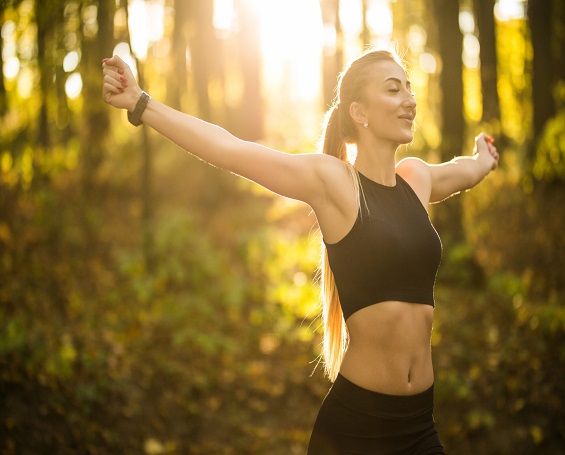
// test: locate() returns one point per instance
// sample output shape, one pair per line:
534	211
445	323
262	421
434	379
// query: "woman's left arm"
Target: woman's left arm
436	182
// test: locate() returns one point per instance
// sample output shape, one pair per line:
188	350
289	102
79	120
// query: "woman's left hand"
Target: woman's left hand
484	147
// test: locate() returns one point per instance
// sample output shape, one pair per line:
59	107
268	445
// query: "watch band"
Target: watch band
135	116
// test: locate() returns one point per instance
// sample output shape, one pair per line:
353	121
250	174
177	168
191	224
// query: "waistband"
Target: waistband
381	404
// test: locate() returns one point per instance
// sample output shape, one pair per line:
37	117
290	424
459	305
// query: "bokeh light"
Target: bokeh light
73	86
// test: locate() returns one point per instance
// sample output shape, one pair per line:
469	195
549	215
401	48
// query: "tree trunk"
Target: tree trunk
484	12
204	48
450	42
95	122
177	86
559	41
3	97
540	19
249	119
365	32
333	57
448	216
45	17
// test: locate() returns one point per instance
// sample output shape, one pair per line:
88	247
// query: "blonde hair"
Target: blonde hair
340	130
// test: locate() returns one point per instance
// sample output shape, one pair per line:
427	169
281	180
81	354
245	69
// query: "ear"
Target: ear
357	112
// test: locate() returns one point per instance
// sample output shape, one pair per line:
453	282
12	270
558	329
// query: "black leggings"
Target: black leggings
357	421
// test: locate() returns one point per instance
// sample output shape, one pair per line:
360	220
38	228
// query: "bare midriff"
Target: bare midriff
390	348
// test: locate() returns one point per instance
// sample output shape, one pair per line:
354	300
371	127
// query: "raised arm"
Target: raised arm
299	176
436	182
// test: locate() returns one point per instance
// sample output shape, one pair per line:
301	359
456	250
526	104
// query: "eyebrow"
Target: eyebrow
395	79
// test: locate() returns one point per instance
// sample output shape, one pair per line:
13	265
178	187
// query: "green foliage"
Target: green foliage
549	163
497	355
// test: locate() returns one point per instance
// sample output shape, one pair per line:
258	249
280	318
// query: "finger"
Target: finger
485	137
108	73
109	89
116	61
116	75
113	82
111	69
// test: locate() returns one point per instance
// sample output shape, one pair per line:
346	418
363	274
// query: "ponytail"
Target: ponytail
339	131
335	336
333	143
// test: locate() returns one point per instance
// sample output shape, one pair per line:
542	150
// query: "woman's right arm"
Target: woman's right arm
298	176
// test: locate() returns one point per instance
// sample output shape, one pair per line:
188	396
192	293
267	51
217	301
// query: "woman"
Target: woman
381	251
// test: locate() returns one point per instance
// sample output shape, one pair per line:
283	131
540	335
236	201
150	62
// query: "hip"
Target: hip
356	420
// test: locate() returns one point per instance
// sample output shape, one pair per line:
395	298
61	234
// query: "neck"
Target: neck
377	161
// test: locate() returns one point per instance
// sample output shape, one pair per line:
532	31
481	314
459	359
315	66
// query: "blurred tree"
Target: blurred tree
3	95
248	119
177	86
400	24
484	13
459	264
333	49
543	68
205	53
450	43
365	30
97	41
48	19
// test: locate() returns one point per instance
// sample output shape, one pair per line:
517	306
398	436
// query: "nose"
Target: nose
410	100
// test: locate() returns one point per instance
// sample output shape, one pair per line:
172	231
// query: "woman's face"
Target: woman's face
389	104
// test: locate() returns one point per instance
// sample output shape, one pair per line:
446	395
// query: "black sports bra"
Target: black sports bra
392	252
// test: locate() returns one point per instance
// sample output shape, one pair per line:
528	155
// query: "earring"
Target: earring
366	125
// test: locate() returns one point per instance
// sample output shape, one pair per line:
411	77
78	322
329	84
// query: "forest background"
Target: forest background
152	304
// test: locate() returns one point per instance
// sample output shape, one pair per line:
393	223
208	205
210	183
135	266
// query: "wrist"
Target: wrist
134	98
134	117
484	165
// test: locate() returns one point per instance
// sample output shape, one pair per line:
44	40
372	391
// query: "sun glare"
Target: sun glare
506	10
292	38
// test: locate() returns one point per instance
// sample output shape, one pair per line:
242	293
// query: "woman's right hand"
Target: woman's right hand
120	87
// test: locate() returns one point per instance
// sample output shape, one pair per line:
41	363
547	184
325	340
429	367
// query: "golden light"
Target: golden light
417	38
379	19
146	25
506	10
350	13
471	51
466	22
70	62
292	45
11	63
73	86
26	82
138	23
292	38
428	63
11	68
224	17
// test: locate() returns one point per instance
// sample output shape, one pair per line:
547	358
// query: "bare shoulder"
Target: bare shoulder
337	207
413	167
331	170
336	179
418	175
